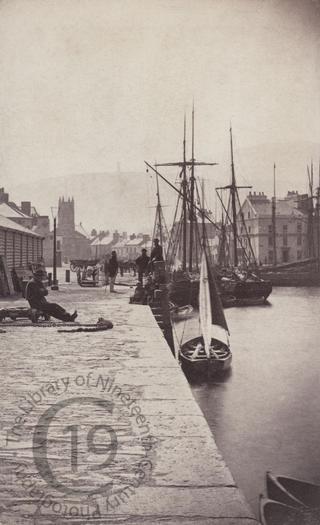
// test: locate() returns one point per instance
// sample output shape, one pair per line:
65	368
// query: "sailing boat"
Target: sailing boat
244	286
210	352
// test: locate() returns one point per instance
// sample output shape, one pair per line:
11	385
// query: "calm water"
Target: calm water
266	414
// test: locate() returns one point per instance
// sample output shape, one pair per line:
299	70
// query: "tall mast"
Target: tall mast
233	190
191	197
317	219
159	212
184	201
274	231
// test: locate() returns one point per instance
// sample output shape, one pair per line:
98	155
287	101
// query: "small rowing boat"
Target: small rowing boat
209	352
292	491
275	513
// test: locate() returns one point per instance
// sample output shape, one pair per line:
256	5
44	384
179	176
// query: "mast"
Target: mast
184	201
318	225
159	212
157	228
233	190
192	180
274	231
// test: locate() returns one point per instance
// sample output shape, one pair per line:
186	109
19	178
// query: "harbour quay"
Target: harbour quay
102	427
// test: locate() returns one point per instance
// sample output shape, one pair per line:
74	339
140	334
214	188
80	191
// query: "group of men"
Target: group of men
144	263
36	291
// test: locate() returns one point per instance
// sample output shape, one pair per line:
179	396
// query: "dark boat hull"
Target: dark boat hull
293	278
232	292
275	513
291	491
184	292
219	361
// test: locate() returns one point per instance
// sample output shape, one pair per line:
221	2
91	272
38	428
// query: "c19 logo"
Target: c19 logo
99	440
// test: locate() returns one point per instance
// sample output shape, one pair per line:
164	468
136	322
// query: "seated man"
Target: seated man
35	294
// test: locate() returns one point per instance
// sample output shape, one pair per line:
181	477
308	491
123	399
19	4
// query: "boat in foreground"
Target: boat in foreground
292	491
210	352
275	513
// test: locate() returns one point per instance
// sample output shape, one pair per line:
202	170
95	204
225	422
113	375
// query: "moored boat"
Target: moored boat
275	513
292	491
210	352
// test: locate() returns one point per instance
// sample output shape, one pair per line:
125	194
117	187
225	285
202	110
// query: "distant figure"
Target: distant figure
106	270
142	263
35	294
157	252
113	269
139	295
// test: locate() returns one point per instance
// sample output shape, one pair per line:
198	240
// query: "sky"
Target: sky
91	86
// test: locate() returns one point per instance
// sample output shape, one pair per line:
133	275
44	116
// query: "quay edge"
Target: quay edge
190	482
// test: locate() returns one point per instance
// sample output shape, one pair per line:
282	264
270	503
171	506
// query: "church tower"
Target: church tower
66	224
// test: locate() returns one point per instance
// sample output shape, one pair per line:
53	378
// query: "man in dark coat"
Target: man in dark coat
142	264
113	269
35	294
156	253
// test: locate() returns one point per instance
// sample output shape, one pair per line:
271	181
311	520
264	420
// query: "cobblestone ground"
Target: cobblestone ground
102	427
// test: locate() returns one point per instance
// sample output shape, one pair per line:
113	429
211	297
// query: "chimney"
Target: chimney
116	236
26	207
4	197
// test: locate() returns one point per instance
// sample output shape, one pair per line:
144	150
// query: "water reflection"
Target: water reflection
264	413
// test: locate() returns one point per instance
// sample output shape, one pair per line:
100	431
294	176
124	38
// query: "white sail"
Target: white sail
205	305
208	328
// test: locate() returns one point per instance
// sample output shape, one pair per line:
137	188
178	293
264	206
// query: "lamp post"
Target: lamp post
54	277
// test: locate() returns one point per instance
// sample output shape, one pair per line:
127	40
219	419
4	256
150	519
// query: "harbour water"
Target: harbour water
265	414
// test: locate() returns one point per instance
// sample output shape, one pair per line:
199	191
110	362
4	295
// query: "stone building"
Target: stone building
74	242
291	228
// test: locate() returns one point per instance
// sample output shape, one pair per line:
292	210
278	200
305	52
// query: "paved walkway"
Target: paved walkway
109	412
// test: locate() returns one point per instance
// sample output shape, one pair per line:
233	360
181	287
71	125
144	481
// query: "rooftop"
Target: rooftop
8	211
8	224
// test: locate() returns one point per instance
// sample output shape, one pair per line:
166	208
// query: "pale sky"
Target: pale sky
86	84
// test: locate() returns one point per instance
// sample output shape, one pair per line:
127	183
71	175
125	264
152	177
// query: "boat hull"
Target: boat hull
275	513
291	491
219	361
232	293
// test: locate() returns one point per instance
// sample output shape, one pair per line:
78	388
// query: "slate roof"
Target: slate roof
8	224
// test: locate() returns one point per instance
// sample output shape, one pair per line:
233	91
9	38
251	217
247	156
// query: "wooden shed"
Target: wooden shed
19	245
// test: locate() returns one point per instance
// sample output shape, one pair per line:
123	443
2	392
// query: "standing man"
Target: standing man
142	264
106	270
35	294
156	253
113	269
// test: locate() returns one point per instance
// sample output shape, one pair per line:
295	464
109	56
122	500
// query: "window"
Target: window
285	235
249	229
299	254
248	215
285	255
270	228
299	239
299	227
270	257
58	245
270	241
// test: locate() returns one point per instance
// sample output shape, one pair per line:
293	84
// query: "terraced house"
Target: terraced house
291	224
